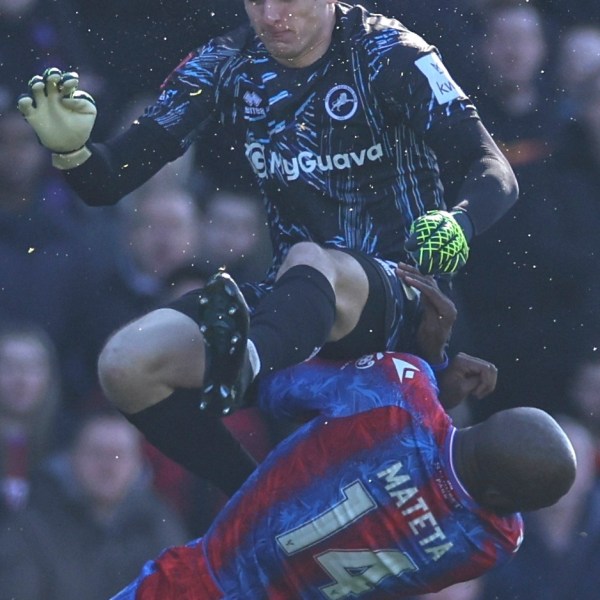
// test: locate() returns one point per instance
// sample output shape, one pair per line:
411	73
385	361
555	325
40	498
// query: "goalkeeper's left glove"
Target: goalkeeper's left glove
438	243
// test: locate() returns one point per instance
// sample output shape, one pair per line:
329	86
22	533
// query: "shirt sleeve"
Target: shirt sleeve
414	85
185	107
337	389
416	88
302	391
182	113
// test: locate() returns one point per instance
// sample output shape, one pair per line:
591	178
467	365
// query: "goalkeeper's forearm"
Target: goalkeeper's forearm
489	187
120	165
489	191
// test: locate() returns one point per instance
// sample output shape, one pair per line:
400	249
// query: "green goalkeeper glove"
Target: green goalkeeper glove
437	243
61	116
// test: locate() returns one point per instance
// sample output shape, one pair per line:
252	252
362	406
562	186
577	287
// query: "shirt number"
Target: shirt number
353	572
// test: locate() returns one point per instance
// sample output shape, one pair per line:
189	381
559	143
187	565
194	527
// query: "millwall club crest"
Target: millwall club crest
341	102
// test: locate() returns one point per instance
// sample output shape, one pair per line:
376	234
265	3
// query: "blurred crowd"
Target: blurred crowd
84	501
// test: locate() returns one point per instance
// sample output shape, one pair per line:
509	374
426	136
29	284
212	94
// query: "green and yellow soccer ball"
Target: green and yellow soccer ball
441	245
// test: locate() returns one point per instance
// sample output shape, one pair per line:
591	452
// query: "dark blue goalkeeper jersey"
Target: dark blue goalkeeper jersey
340	148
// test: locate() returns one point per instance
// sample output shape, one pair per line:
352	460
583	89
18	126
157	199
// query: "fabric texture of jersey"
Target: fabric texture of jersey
362	501
339	147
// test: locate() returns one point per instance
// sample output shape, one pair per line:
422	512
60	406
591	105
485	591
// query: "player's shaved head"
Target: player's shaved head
517	460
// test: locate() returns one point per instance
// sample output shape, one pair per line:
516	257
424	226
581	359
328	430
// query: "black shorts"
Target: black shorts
388	321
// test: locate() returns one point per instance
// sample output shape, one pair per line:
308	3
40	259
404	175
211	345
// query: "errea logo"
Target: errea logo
341	102
253	102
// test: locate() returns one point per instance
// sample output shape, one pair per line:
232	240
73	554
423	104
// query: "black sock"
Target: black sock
294	319
199	442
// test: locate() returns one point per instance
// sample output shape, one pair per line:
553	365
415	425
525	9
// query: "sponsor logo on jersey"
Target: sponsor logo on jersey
253	105
268	164
341	102
368	360
443	86
405	369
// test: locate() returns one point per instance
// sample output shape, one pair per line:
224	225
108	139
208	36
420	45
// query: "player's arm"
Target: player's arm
63	117
486	186
117	167
436	317
466	377
480	184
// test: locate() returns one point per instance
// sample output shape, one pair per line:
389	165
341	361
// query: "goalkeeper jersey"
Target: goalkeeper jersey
360	502
339	148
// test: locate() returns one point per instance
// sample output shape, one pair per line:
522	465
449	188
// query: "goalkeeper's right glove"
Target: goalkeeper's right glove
437	243
61	116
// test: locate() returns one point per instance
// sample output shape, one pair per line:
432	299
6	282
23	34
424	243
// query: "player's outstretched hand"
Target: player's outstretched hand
437	243
438	314
61	115
466	376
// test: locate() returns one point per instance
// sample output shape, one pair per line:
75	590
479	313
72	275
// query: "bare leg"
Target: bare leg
148	359
152	370
346	276
145	361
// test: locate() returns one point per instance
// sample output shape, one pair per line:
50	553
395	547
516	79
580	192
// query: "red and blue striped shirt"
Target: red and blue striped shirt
362	501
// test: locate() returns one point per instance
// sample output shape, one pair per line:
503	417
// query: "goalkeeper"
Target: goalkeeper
347	120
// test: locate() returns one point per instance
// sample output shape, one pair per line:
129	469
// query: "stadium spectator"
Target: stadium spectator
30	404
584	398
92	520
48	260
516	97
235	236
35	34
577	60
571	205
524	295
157	231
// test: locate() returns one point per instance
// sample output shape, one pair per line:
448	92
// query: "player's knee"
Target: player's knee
112	371
120	366
147	359
306	253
